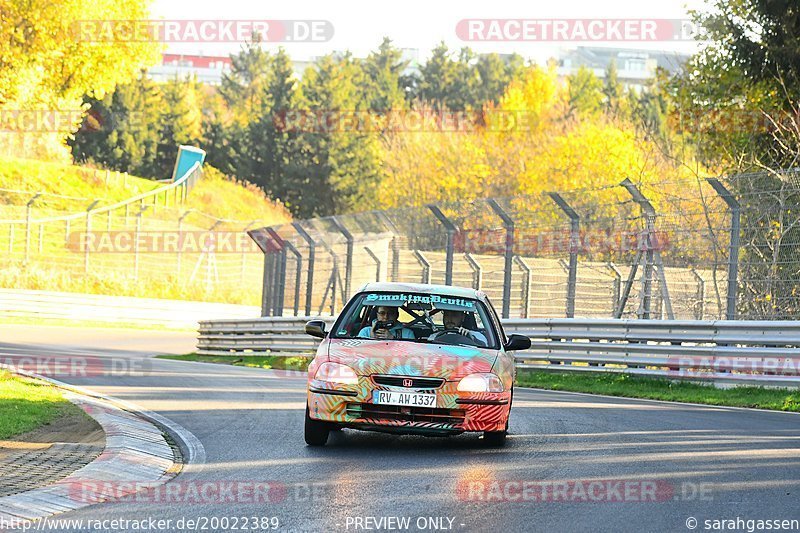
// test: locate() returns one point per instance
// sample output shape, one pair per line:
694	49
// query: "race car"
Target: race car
412	359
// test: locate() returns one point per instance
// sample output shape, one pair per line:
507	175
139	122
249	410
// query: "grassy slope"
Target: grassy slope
214	195
26	405
66	180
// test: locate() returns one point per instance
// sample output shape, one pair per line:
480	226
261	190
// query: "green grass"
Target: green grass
254	361
661	389
26	405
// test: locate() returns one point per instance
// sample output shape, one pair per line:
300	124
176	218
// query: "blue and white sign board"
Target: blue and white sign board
187	157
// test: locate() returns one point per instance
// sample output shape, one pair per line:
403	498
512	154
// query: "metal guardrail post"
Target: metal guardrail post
88	231
526	285
451	229
574	247
733	254
41	238
508	254
348	261
28	208
377	262
426	266
477	274
10	239
312	244
66	232
701	295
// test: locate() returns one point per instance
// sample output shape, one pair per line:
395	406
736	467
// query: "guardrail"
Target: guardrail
118	310
722	351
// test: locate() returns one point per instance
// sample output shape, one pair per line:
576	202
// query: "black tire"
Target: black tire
316	432
494	439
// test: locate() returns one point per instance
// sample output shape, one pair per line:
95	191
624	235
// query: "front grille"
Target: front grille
406	414
416	382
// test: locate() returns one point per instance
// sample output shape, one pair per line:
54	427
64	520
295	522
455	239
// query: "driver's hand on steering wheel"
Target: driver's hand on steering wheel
460	330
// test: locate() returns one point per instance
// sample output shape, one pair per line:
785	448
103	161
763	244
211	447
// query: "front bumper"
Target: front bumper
455	412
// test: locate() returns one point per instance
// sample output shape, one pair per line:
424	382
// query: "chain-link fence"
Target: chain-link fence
149	245
698	249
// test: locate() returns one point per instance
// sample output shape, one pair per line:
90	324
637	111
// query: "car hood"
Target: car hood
404	358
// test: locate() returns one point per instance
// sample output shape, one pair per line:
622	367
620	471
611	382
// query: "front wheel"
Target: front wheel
316	432
494	439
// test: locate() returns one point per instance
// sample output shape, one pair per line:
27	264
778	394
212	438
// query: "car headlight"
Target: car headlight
336	373
485	382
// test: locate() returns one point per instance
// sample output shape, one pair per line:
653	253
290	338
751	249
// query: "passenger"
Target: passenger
386	314
452	321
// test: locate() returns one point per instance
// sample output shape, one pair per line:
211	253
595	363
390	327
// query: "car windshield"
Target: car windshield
417	317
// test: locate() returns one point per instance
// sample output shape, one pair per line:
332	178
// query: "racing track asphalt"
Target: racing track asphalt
720	463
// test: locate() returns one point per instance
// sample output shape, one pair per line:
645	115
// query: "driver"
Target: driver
386	314
452	321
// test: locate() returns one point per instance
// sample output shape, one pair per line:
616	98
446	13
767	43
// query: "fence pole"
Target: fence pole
508	223
266	293
426	266
477	274
574	247
28	208
451	229
279	277
297	275
88	231
701	295
311	255
136	242
348	261
395	244
733	254
180	241
377	262
616	286
526	285
652	257
10	239
66	232
41	237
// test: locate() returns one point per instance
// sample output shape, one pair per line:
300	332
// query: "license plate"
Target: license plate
409	399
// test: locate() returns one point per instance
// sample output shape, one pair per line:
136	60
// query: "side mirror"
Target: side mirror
316	328
516	342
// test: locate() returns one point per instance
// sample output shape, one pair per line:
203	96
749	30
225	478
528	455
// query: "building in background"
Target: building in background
635	68
209	69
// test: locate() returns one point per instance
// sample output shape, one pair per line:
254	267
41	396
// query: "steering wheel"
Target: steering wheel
453	337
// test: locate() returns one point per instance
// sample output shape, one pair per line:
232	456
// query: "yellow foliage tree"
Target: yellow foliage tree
47	64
